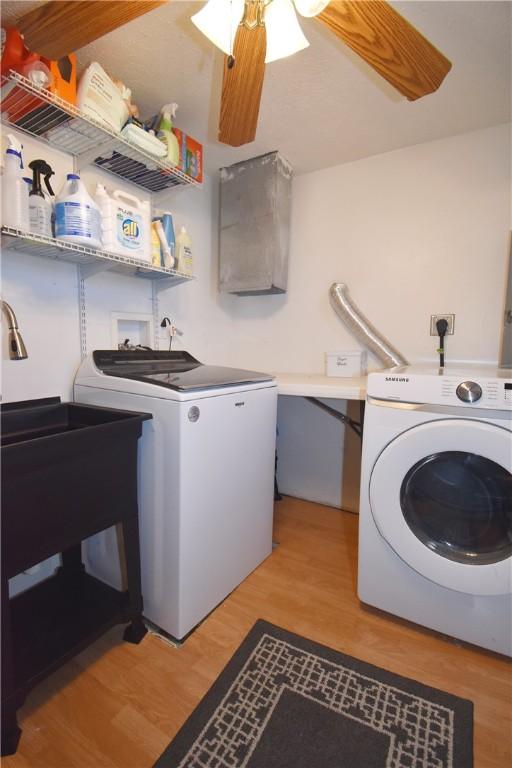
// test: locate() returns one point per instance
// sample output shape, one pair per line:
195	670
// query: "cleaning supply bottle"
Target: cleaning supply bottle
156	254
26	194
77	217
168	260
40	205
165	134
168	226
184	253
14	189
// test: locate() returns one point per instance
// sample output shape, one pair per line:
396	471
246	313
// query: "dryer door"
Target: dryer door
441	496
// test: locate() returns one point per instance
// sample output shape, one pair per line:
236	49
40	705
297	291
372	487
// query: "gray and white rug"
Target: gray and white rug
286	702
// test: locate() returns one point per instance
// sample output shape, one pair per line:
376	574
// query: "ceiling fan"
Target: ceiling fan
252	33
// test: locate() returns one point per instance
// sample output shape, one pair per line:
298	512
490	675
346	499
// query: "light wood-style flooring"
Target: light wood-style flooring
119	705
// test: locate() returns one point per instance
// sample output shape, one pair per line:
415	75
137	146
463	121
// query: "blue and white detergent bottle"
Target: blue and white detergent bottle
77	217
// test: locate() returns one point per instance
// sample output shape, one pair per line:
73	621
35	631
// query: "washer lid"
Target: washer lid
441	496
176	370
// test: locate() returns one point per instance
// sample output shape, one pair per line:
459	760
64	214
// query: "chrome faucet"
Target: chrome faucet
17	349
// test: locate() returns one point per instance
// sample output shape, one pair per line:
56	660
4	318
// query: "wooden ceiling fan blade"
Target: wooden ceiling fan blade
389	44
63	26
241	87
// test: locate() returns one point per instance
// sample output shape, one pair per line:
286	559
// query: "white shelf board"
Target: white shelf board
316	385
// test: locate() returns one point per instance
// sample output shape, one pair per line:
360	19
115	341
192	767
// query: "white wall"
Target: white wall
413	232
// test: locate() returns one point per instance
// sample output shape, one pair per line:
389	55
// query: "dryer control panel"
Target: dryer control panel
444	386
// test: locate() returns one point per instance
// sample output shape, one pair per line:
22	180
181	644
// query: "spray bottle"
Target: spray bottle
39	204
165	134
14	189
28	187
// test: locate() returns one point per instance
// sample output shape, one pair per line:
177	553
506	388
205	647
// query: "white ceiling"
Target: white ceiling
322	106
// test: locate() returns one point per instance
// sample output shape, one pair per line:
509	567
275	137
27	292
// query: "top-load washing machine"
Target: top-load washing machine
206	477
435	540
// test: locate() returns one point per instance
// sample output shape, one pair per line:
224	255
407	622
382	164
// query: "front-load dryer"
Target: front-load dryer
206	477
435	539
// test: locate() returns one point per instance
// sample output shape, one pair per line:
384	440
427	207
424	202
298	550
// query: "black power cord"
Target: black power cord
442	327
166	322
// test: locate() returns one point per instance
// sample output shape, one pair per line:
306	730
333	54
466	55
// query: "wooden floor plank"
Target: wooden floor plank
118	705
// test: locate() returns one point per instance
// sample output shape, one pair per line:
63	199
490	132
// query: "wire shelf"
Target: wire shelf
60	124
90	259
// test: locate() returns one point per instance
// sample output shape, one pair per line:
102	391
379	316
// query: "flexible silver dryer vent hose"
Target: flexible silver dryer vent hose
362	328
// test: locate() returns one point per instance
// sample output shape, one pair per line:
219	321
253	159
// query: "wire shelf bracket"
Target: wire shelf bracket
89	270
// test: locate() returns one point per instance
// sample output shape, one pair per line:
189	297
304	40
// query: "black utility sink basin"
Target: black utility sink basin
64	465
37	419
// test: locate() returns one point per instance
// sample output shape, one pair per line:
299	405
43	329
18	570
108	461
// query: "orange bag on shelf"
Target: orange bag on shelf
63	77
19	106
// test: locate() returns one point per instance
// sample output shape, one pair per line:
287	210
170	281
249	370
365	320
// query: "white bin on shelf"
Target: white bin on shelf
345	364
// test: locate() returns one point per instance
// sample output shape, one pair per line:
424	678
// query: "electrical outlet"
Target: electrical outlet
450	319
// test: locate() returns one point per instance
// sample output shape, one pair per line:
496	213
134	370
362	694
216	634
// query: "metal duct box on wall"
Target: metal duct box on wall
255	203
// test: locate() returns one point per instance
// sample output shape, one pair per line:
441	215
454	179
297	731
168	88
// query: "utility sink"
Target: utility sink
68	472
38	419
64	466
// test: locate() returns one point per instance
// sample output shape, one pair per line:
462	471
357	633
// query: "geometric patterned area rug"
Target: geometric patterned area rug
285	702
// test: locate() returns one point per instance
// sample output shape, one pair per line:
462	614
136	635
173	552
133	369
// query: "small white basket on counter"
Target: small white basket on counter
345	364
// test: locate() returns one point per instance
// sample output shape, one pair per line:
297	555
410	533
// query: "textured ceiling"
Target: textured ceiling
323	106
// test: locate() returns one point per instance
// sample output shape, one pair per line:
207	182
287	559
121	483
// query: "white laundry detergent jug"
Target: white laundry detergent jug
125	223
77	217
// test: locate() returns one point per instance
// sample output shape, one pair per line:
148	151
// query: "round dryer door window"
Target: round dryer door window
460	506
441	496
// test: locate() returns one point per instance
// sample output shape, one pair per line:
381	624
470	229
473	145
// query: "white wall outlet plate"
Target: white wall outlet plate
450	319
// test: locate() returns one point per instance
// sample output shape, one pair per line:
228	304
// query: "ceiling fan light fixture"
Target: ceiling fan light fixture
218	21
310	8
284	35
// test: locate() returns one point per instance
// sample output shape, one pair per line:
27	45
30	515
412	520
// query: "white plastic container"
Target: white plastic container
77	217
14	188
345	364
25	204
40	215
125	223
184	253
98	97
168	260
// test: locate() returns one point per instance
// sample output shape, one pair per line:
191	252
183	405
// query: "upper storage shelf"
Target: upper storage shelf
57	122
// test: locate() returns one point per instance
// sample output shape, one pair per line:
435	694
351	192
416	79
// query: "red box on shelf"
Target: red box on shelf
191	155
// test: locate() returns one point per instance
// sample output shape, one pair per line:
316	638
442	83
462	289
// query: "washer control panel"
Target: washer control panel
465	388
469	391
484	393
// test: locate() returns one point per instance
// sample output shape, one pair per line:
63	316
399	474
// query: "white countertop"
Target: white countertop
317	385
